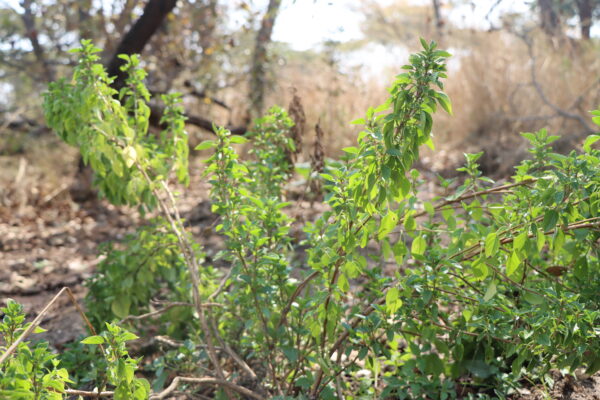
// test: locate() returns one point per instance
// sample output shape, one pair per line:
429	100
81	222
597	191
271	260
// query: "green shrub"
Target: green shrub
398	296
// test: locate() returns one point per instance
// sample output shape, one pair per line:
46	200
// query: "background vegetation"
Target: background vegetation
300	263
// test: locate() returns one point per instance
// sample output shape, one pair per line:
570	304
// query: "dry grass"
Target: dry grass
494	98
490	85
329	98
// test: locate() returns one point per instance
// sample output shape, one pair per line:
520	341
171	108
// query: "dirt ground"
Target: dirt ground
47	241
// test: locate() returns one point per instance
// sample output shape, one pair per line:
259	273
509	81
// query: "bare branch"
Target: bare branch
84	393
542	94
205	381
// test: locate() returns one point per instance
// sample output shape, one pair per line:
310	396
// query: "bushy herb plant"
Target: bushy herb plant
397	297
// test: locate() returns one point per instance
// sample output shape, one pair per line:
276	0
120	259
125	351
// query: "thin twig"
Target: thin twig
165	309
542	94
80	310
477	194
221	285
207	381
31	327
191	262
233	354
85	393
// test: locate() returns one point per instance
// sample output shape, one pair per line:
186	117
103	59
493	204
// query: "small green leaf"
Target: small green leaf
207	144
39	329
520	241
587	145
388	223
444	101
540	240
93	340
480	270
490	292
129	155
236	139
429	208
512	264
418	246
291	353
533	298
550	220
491	244
126	336
433	364
392	300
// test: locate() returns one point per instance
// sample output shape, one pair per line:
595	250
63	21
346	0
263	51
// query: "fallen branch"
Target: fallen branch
84	393
205	380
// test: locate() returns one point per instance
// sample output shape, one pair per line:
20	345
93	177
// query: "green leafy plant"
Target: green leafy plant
148	266
394	296
120	366
32	370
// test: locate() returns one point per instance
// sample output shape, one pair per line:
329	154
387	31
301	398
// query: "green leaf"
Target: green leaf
479	368
540	239
589	141
388	223
429	208
207	144
93	340
418	246
444	101
442	53
550	220
236	139
343	283
533	298
392	301
129	155
520	241
291	353
491	244
127	336
490	291
39	329
593	365
512	264
433	364
120	306
480	270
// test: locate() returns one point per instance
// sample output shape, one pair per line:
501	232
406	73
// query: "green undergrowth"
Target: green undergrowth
471	294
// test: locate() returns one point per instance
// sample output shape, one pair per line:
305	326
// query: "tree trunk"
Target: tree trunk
439	22
83	14
138	36
585	10
549	19
32	34
258	72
